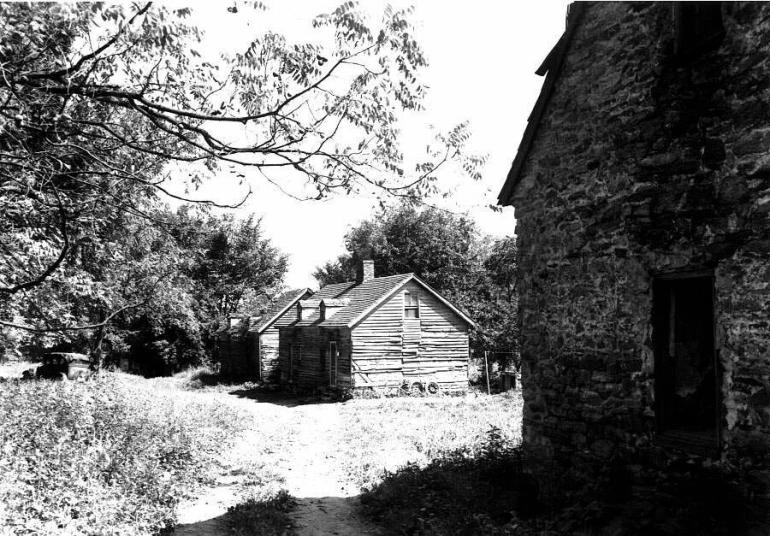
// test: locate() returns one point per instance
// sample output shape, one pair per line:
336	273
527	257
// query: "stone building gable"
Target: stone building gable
645	165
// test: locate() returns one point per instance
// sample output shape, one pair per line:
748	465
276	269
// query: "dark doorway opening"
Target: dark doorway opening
686	379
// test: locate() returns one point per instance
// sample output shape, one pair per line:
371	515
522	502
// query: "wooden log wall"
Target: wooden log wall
311	364
268	355
388	349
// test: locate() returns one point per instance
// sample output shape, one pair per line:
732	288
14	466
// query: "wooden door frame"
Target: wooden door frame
667	278
290	372
334	363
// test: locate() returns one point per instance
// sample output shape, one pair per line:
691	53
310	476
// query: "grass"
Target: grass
478	491
384	434
117	454
266	515
483	485
112	455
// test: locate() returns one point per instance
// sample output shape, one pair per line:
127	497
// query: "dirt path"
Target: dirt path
325	506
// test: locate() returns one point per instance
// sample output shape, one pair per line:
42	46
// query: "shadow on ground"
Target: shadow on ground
281	398
308	516
491	492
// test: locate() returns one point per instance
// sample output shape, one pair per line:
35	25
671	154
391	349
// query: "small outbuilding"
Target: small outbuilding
377	333
248	346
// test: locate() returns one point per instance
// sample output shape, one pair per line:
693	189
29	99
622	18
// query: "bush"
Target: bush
468	491
266	516
106	456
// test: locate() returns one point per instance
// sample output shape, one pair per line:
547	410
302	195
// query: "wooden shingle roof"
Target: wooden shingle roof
335	290
360	299
280	306
551	68
364	295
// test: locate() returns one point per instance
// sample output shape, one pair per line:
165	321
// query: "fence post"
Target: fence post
486	370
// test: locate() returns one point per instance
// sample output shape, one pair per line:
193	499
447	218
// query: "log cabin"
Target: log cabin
379	333
248	346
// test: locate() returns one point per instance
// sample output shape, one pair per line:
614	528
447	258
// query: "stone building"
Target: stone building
642	196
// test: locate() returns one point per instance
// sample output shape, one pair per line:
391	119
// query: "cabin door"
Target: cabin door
686	379
333	363
295	357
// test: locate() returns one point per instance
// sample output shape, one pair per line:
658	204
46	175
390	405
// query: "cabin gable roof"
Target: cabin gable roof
551	68
282	304
358	300
364	298
374	306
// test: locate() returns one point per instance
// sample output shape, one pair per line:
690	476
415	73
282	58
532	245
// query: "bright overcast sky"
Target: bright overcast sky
482	56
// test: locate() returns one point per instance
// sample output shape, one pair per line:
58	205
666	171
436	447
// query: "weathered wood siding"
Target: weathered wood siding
311	365
388	349
268	354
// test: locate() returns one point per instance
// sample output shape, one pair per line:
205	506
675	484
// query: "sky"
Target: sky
482	56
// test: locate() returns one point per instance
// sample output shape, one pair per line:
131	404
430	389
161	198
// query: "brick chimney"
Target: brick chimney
367	270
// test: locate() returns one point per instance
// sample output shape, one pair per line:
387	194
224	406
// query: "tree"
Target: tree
502	264
97	101
448	252
159	288
236	258
441	247
112	274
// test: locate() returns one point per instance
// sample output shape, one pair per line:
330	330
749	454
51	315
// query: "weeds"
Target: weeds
107	456
385	434
266	516
479	490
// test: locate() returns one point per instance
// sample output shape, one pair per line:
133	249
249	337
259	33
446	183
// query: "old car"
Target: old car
61	365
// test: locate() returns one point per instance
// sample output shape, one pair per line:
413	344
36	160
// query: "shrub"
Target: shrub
266	516
468	491
106	456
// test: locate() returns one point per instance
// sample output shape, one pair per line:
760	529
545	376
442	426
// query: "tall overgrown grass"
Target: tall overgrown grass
384	434
109	456
478	490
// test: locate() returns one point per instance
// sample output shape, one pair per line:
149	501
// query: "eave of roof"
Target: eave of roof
552	66
282	310
405	278
361	296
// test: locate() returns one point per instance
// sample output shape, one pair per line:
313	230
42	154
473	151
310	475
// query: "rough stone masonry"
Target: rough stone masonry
645	164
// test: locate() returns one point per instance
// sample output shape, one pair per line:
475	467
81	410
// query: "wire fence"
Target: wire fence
498	369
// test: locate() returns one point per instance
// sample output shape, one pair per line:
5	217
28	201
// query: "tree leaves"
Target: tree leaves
448	252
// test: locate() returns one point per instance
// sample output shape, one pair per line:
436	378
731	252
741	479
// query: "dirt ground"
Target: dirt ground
325	505
322	454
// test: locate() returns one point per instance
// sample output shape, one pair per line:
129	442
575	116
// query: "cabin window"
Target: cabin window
698	27
686	386
411	305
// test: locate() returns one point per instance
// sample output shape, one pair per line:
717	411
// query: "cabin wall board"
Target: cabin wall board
312	369
268	355
388	349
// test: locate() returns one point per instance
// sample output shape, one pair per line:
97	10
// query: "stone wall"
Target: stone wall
644	164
